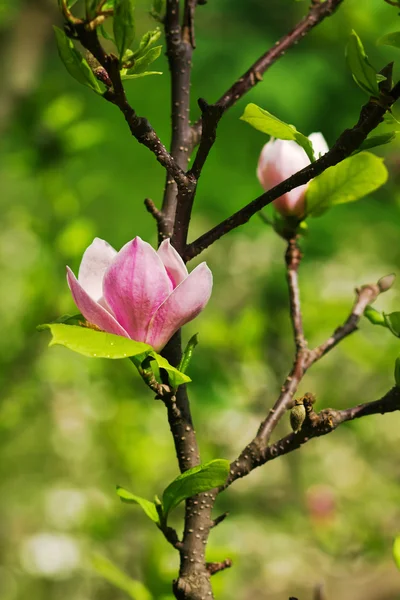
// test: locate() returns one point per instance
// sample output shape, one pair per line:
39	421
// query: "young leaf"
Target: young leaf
123	25
135	589
148	39
140	65
75	64
194	481
188	353
148	507
390	39
264	121
363	72
100	344
396	551
137	75
397	380
374	316
347	181
378	140
392	321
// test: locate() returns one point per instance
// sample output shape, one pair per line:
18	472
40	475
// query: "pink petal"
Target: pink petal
183	305
91	310
95	261
173	263
135	285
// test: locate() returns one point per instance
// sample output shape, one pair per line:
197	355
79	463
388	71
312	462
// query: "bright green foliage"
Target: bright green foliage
392	321
99	344
188	353
148	507
74	62
378	140
194	481
123	25
135	589
141	64
138	61
148	39
389	320
267	123
363	72
350	180
397	371
390	39
396	551
374	316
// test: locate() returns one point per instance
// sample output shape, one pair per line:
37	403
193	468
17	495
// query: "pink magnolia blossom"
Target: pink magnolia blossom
138	292
279	159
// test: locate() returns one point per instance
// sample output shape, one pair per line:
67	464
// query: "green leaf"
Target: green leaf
148	507
188	353
348	181
123	25
390	39
392	321
363	72
374	316
140	65
397	380
148	39
264	121
378	140
100	344
194	481
126	77
75	64
396	551
135	589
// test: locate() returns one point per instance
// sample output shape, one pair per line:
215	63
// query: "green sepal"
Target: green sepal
374	316
74	62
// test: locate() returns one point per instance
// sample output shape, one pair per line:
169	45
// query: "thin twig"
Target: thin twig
325	422
292	258
350	140
254	452
317	13
216	567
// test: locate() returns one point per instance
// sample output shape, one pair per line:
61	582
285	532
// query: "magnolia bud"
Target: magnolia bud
386	282
279	159
297	415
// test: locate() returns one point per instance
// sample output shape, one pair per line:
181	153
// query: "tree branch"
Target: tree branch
179	53
318	425
350	140
258	447
316	14
139	126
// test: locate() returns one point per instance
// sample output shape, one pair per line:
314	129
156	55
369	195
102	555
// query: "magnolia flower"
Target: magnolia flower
279	159
137	292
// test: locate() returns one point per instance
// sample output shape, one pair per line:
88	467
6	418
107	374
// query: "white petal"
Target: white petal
95	261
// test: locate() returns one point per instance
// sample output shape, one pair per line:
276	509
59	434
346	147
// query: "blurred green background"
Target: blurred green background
71	428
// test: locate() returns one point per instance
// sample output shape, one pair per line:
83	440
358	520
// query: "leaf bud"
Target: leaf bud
297	415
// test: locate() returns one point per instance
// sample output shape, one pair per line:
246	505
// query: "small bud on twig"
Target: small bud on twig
386	282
